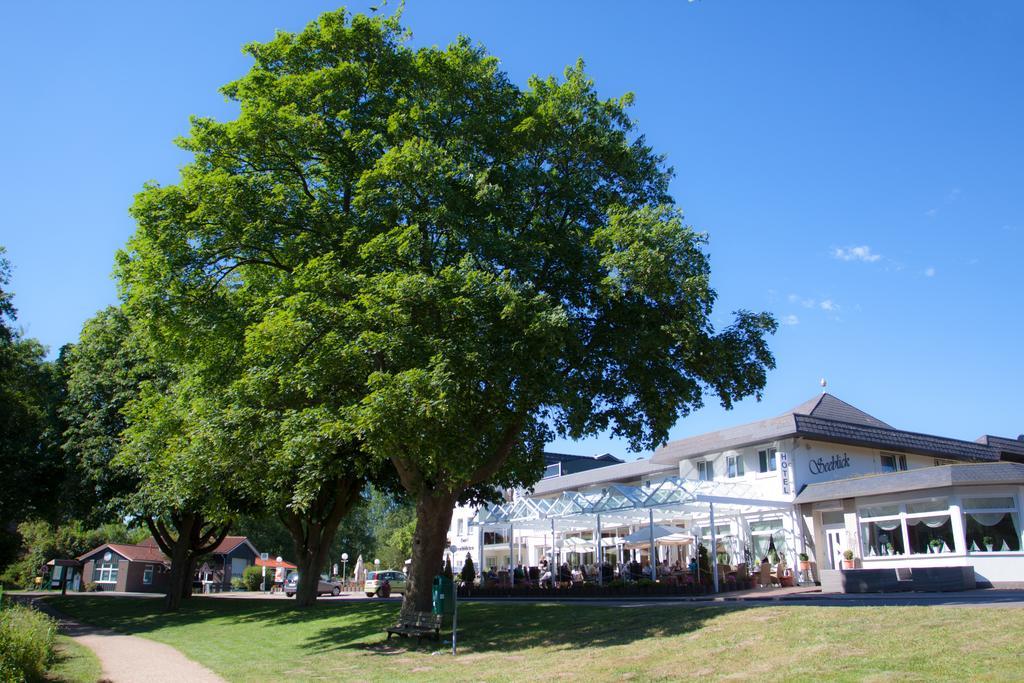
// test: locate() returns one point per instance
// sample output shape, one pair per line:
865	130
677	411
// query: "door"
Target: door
834	545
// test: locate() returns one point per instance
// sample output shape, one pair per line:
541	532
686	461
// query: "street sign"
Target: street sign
264	556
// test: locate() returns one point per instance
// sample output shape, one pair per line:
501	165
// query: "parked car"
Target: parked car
375	579
326	587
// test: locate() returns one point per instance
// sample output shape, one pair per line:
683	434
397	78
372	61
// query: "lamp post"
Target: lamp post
344	569
455	603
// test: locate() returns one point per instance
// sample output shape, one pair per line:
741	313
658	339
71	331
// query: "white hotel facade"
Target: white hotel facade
820	479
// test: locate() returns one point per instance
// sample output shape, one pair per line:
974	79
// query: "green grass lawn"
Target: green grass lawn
73	663
246	640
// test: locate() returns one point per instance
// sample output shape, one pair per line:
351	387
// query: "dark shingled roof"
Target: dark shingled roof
826	418
915	479
829	407
1009	449
896	439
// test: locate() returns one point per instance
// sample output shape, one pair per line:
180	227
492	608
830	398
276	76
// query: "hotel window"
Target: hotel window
892	462
929	528
105	572
766	460
762	535
705	470
461	530
881	531
147	575
991	524
734	463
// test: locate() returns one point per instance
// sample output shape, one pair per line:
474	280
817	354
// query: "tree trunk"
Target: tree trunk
180	564
313	532
184	546
190	572
433	517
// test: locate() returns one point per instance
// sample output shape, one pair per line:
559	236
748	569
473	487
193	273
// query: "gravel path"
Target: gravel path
130	659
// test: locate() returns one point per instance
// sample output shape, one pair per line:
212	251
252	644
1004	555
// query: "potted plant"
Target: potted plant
936	545
805	562
989	542
848	559
889	550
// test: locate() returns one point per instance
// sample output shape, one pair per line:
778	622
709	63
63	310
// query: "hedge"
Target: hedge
26	644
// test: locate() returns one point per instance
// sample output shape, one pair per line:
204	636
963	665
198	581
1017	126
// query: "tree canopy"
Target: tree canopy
415	261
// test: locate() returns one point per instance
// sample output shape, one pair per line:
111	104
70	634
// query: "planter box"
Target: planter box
891	580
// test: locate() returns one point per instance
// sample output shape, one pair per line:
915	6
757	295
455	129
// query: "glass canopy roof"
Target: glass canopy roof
619	503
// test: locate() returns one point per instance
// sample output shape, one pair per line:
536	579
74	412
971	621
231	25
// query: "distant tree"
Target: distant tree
440	270
186	494
31	468
105	370
468	571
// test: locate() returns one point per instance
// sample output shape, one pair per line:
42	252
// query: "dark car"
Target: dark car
326	587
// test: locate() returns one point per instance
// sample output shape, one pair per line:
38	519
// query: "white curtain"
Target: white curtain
888	525
987	518
930	522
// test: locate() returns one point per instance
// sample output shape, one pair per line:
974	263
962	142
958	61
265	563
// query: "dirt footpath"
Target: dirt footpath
130	659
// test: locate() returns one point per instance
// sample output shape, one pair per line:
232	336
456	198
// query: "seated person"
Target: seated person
518	574
692	567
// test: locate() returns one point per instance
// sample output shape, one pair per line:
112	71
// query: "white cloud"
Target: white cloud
929	271
862	253
828	305
953	195
931	213
790	320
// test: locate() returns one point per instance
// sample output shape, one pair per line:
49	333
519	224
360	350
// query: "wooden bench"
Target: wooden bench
417	624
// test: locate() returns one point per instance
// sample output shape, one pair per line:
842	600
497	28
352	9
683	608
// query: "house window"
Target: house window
766	460
147	575
461	528
891	462
705	470
734	465
105	572
991	524
920	527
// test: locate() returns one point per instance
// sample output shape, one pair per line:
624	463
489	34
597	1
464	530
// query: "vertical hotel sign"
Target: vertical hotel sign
784	468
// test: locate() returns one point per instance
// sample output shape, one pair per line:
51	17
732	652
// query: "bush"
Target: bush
26	644
252	577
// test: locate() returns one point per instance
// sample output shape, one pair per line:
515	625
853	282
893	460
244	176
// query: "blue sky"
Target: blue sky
858	166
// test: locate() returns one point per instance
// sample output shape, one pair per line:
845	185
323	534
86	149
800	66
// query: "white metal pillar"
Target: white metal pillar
713	554
653	561
480	552
511	556
600	554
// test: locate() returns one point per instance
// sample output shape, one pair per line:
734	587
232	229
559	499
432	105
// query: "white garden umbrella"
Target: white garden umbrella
357	573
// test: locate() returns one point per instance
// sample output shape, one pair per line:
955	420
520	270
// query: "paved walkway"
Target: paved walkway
130	659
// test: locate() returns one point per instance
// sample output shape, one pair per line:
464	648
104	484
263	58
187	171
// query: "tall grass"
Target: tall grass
26	644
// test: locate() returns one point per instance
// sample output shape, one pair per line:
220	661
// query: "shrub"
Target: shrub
468	571
26	644
252	578
91	587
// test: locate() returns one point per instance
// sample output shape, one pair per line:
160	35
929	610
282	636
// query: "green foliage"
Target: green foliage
395	533
399	257
468	571
31	467
26	644
252	578
239	584
42	541
105	371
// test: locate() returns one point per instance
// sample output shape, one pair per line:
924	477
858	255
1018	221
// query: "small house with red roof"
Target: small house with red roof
139	568
144	568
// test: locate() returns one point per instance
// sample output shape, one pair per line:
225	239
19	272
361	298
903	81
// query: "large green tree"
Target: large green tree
31	467
447	268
